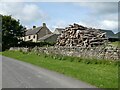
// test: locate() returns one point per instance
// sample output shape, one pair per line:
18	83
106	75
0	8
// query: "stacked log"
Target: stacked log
78	35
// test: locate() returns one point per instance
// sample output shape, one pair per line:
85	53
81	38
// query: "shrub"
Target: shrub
33	44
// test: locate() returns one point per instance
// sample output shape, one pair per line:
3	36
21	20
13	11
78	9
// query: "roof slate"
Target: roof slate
46	36
33	31
58	30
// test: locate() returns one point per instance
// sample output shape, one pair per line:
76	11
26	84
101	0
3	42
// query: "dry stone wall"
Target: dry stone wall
109	53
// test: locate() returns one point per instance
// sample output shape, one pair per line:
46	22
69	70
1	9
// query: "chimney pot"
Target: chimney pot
44	24
34	26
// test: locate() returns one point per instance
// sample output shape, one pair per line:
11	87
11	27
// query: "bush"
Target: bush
33	44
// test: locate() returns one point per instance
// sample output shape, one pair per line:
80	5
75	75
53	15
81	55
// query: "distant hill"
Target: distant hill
110	33
118	34
111	36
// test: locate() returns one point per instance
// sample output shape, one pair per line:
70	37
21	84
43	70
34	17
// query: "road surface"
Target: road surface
17	74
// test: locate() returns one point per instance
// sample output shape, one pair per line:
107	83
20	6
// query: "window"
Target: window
34	36
29	37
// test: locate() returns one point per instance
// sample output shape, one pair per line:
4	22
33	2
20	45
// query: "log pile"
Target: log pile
78	35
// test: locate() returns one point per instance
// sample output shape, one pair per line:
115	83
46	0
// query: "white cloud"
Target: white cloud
106	7
63	24
60	23
57	24
26	12
101	15
109	24
105	24
31	13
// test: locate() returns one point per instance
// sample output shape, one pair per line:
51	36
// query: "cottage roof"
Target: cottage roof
33	31
58	30
45	37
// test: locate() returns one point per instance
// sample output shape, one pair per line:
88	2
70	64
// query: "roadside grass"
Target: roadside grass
101	75
0	53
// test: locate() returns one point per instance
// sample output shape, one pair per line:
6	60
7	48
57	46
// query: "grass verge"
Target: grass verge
100	75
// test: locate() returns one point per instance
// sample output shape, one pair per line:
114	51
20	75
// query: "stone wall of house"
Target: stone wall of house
110	53
32	38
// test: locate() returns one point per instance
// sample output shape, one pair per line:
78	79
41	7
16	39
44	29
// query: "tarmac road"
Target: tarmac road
18	74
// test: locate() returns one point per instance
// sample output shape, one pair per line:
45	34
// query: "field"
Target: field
115	44
101	75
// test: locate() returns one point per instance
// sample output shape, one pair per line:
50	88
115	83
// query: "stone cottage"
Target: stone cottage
52	37
36	33
49	38
58	30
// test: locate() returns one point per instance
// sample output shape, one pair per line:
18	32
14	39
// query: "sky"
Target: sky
101	15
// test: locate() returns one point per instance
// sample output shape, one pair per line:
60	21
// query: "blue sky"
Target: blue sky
64	10
61	14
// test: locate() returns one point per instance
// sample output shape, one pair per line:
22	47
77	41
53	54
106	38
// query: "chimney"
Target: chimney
34	26
44	24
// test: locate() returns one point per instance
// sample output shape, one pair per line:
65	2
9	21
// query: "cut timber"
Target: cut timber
80	36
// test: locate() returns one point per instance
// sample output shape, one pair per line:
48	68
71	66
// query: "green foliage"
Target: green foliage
11	31
33	44
100	75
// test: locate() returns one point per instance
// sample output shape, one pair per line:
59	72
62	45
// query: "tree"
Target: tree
12	30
